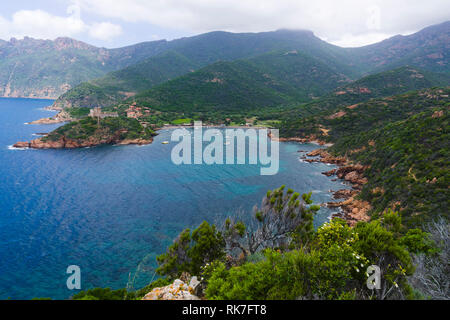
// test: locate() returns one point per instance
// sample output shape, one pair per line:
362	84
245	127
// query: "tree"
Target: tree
277	277
284	220
190	252
332	266
384	249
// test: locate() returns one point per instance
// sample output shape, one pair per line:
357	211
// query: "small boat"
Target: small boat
165	142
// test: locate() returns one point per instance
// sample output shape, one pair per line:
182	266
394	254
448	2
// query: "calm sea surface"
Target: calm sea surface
112	210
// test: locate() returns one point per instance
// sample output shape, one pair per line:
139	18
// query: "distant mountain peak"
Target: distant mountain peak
65	42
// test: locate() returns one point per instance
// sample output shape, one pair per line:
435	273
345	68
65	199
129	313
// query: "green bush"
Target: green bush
191	251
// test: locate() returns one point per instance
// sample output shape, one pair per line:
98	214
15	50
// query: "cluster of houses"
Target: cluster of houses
133	111
137	112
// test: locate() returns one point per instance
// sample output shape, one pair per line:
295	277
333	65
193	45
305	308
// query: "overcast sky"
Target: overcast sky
115	23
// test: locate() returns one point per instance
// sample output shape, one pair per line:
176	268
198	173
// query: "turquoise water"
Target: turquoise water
111	210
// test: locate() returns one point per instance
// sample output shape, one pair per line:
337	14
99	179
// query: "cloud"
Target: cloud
4	28
38	23
350	40
346	22
105	31
43	25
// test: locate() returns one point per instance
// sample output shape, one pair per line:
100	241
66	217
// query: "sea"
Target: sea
111	210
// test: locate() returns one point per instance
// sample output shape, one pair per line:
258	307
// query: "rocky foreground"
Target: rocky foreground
186	288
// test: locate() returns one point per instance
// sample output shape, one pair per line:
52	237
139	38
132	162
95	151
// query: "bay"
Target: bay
112	209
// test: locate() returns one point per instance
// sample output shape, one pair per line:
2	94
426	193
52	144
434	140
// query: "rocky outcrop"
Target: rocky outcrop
353	210
62	116
310	139
353	174
324	157
22	145
330	173
64	143
345	194
178	290
139	142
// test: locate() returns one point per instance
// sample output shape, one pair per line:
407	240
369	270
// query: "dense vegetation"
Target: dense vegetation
409	165
266	81
404	141
268	258
108	129
234	104
303	88
384	84
119	85
425	49
274	84
47	69
182	56
276	254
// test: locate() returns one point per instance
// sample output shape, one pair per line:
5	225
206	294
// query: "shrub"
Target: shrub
191	251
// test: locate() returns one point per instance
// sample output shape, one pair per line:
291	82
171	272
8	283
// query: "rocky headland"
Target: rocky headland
64	143
91	132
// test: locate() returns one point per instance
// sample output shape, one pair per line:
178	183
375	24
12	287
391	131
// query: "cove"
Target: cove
112	209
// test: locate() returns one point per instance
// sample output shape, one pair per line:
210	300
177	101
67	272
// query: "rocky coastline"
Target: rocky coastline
353	210
311	139
64	143
61	117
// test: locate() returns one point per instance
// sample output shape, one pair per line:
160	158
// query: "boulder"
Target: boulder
344	194
352	177
22	145
178	290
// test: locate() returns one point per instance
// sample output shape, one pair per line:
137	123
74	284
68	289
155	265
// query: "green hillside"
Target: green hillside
403	139
270	80
121	84
427	49
384	84
53	67
185	55
409	164
47	69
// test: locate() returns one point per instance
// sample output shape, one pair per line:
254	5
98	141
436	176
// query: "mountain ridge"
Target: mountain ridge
34	68
55	66
268	80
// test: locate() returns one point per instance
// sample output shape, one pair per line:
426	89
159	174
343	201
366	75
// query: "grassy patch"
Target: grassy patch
181	121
